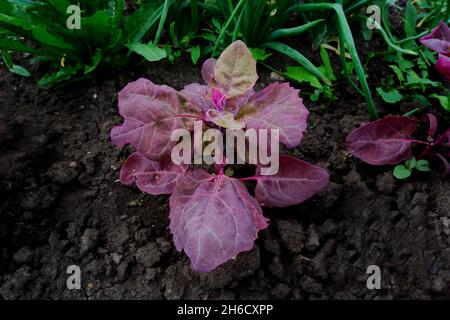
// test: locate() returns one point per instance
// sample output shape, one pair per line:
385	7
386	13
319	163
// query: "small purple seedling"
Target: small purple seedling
389	141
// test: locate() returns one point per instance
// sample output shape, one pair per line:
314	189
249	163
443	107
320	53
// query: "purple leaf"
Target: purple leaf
277	106
213	220
433	124
235	104
438	40
198	94
235	70
385	141
186	187
153	177
443	66
295	182
445	163
151	113
224	119
208	70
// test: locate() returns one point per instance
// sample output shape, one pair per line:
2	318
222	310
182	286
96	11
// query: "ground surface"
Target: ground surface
60	204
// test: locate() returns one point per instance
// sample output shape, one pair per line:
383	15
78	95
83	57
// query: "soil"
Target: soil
61	205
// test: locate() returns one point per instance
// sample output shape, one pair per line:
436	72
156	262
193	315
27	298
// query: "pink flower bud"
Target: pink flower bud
218	99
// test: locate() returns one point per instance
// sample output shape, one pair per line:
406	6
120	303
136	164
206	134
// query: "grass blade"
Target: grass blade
297	56
162	20
227	24
290	32
147	25
346	37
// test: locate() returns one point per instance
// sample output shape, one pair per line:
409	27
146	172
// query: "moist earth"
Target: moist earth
61	205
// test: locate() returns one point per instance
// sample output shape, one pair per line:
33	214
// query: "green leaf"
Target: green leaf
259	54
397	72
119	10
429	55
60	5
404	63
61	75
20	71
173	34
443	100
422	100
423	165
42	35
327	64
6	20
162	20
391	96
300	74
96	30
411	163
325	91
366	32
216	24
195	54
414	80
410	20
6	7
17	46
141	21
13	67
401	172
95	62
149	51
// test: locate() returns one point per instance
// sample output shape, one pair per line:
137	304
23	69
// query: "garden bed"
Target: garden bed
61	205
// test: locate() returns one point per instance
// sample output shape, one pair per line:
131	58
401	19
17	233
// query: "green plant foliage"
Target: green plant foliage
404	171
412	63
104	39
259	54
391	96
401	172
157	29
443	101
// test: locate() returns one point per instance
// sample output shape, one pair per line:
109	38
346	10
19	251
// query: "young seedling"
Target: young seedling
389	141
212	215
404	171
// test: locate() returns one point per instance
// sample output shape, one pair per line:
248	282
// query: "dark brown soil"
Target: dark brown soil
61	204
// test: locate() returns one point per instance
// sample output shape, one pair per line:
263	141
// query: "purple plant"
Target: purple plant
212	215
439	40
389	141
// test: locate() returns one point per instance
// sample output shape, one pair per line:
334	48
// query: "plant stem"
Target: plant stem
441	139
416	141
413	111
249	178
